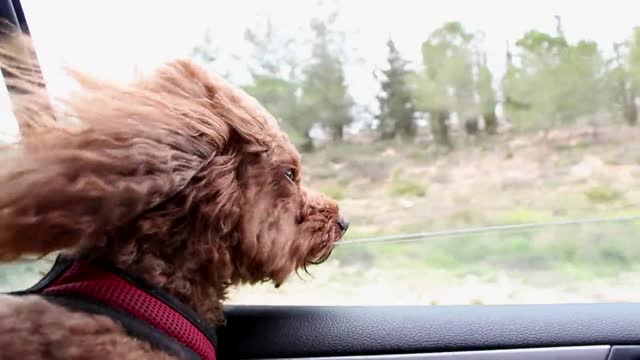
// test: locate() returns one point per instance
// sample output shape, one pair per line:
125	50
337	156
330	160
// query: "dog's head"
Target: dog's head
276	224
283	225
179	165
249	190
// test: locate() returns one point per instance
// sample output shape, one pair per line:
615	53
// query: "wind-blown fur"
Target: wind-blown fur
177	177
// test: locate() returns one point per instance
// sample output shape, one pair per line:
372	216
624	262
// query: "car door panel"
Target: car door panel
316	331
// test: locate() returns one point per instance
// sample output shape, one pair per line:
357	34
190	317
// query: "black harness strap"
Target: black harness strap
135	327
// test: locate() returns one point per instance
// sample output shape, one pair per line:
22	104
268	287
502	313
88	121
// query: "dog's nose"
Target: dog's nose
343	223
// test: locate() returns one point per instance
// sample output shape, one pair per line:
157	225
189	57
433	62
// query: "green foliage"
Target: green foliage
626	81
553	82
567	252
634	58
603	194
276	81
441	258
325	96
354	255
454	79
403	187
446	81
301	97
280	97
396	103
450	48
549	81
487	96
524	216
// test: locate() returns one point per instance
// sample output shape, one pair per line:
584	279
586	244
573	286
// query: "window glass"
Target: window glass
9	132
485	152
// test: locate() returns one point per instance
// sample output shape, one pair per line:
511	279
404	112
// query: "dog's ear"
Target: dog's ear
108	154
244	115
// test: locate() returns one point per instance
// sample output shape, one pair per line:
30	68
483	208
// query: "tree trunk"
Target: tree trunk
630	109
471	126
631	114
440	128
491	123
307	146
406	129
387	132
337	132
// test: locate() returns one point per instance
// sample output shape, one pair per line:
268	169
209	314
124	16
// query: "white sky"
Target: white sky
108	37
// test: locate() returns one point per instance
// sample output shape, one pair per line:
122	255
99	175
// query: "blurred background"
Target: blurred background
485	152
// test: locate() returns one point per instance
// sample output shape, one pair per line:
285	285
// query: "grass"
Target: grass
333	190
403	187
524	216
354	255
407	188
603	194
340	152
582	252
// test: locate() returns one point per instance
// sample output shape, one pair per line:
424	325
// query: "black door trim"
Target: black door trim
307	331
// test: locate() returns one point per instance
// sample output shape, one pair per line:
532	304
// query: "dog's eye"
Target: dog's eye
290	174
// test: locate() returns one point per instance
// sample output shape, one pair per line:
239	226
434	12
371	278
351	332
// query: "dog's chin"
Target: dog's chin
316	256
314	259
323	251
322	256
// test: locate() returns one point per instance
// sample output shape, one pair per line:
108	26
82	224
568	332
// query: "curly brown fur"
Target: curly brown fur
178	177
32	328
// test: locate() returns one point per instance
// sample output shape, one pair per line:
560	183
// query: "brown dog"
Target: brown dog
178	178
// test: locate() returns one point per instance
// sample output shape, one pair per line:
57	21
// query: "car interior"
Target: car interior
604	331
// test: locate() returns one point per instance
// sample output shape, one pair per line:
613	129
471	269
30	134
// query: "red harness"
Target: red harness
87	281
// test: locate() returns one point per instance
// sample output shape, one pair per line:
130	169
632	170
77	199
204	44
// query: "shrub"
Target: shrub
602	194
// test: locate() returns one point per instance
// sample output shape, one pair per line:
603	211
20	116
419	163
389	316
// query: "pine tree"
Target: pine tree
276	82
325	95
396	104
630	108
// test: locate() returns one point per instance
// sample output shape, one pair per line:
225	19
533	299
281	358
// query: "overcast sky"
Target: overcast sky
108	38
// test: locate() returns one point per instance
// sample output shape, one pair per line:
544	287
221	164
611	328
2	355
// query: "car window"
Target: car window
8	126
485	152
